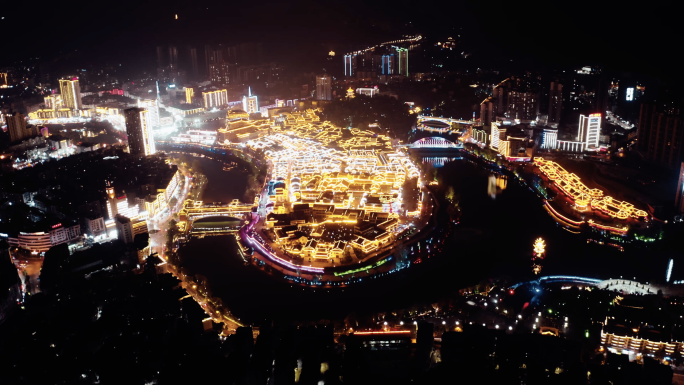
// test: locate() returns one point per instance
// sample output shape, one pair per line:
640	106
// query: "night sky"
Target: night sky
548	34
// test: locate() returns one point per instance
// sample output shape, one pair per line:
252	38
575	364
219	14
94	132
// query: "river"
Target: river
493	239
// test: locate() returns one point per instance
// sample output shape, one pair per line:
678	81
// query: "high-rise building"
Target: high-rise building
250	104
388	64
189	93
215	99
71	93
160	56
3	79
124	229
152	108
140	137
661	134
173	57
513	99
555	102
486	109
679	199
403	61
323	87
16	125
349	64
589	131
194	69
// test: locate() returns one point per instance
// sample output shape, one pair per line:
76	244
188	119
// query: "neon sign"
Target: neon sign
56	226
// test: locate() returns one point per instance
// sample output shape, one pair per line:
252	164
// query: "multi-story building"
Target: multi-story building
43	240
194	68
140	137
95	226
323	87
486	110
514	100
173	57
152	108
16	125
679	197
54	102
71	93
215	99
402	53
661	134
549	139
388	64
189	93
124	229
555	102
589	131
250	104
349	64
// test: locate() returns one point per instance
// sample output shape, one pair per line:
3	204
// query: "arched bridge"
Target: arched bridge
435	142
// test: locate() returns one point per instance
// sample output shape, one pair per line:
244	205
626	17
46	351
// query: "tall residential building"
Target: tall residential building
679	198
403	61
589	131
160	56
388	64
513	99
250	104
124	229
152	107
71	93
194	68
661	134
323	87
555	102
486	109
16	125
218	98
140	138
349	64
173	57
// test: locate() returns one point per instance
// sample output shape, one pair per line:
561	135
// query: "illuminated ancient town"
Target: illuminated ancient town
327	194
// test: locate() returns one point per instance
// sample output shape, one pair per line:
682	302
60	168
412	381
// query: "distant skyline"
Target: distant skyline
552	35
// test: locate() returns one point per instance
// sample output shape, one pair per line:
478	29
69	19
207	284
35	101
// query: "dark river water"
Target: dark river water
493	240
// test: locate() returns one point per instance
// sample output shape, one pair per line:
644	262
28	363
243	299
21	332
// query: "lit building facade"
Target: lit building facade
368	91
388	64
250	104
323	87
215	99
54	102
549	139
43	240
189	93
124	229
71	93
402	53
152	108
349	65
589	131
140	137
679	197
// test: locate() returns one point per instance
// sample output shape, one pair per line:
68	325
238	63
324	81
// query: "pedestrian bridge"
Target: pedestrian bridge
435	142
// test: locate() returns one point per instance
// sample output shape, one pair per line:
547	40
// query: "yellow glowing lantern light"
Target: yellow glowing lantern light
539	246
